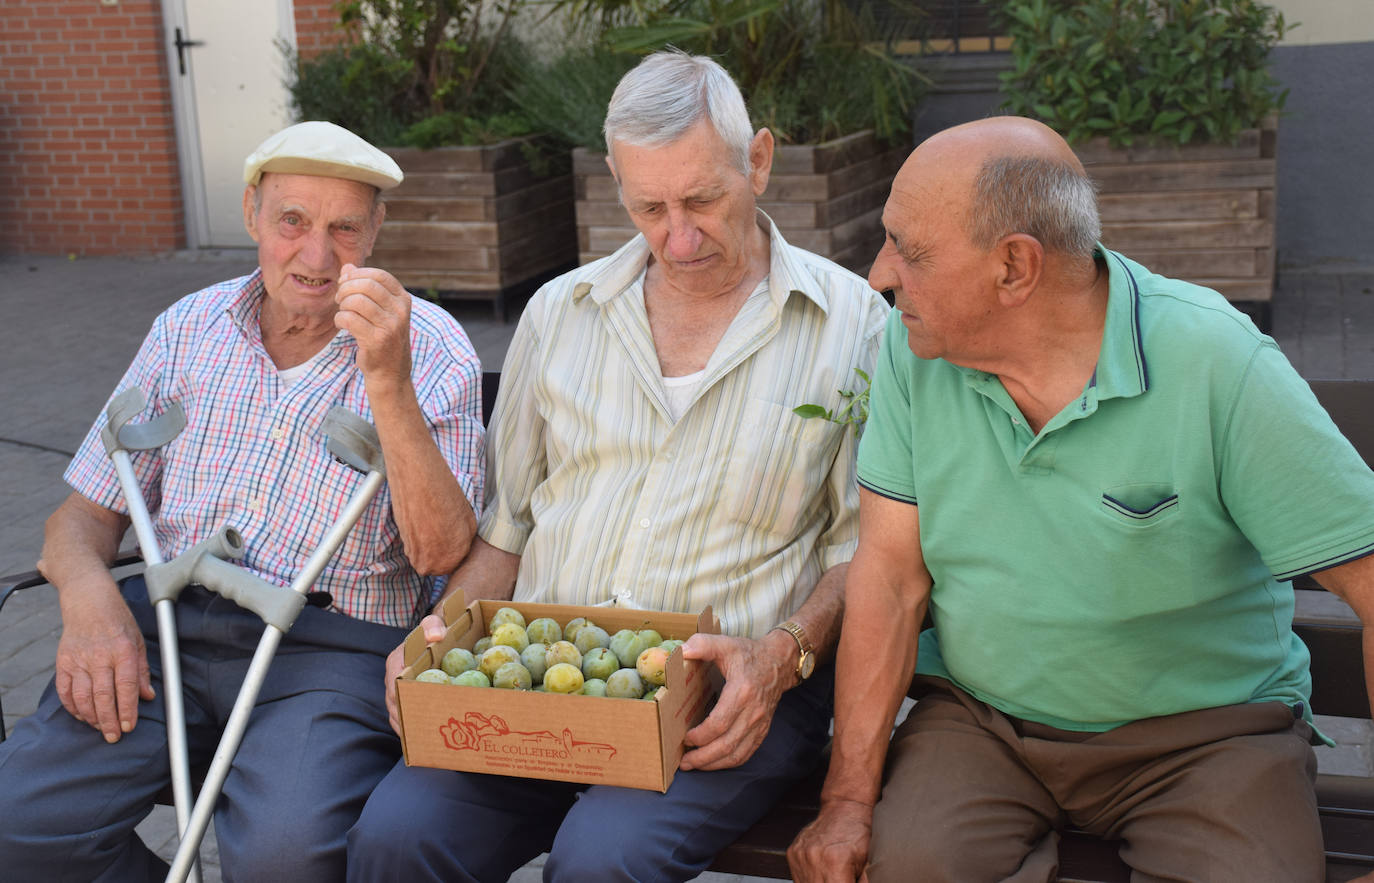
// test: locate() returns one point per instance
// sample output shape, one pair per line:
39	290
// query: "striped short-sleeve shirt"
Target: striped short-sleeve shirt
253	455
739	504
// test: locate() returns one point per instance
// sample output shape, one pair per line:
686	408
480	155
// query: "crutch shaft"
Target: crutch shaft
177	754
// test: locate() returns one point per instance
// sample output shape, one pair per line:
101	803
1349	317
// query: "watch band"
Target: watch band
806	658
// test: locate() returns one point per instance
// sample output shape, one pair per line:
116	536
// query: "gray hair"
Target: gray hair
1052	201
665	95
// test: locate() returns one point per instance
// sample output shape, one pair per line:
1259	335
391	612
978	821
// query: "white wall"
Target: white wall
1327	21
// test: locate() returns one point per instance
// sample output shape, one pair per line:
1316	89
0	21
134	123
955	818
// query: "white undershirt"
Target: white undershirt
682	391
290	375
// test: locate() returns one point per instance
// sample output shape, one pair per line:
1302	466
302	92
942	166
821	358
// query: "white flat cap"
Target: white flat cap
324	149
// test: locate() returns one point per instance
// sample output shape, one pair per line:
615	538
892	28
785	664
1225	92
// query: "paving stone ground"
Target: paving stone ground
71	327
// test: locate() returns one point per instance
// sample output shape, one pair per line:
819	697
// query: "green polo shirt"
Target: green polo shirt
1127	561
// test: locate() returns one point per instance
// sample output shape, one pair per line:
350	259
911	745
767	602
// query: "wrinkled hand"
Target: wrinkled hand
395	661
102	668
757	672
375	309
835	845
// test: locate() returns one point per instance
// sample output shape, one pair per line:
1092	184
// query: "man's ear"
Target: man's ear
1020	264
378	216
760	160
250	216
610	164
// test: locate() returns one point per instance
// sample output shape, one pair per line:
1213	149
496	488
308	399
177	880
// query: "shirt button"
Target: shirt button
644	522
1016	421
277	432
254	504
669	455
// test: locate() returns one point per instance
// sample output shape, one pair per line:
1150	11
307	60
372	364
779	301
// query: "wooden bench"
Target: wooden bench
1346	802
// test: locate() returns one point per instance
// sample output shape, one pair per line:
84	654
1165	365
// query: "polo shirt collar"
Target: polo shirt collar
786	276
1121	369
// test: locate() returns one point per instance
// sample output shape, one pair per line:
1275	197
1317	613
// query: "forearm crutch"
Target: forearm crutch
352	441
119	438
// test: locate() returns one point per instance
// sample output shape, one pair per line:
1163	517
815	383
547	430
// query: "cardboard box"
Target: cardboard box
632	743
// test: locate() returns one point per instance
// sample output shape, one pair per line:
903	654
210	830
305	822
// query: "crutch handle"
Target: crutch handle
353	441
119	436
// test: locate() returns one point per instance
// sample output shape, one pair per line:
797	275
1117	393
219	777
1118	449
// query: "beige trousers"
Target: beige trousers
1217	795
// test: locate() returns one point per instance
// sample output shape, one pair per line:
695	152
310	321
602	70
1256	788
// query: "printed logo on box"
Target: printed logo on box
489	734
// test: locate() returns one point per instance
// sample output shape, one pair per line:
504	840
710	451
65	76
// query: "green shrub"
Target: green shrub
810	70
1172	70
420	73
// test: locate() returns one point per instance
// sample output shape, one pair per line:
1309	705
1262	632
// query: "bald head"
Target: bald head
1006	175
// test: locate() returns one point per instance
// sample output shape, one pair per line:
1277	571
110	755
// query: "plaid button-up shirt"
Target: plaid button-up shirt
253	454
740	504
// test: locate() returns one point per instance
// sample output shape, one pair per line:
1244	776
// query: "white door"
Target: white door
228	94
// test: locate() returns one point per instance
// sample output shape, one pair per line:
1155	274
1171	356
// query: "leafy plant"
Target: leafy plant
1171	70
855	410
420	73
810	70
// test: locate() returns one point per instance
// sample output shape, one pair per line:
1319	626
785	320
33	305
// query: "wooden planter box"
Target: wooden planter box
476	223
827	198
1202	212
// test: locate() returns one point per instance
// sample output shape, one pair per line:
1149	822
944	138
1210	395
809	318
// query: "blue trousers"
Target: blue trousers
426	824
316	743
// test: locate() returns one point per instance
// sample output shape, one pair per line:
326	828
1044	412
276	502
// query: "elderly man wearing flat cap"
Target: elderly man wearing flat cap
255	363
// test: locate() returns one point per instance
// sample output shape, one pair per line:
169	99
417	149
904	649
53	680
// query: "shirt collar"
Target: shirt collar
1121	369
786	276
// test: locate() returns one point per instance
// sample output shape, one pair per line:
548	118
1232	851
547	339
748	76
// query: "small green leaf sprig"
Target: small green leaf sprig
855	410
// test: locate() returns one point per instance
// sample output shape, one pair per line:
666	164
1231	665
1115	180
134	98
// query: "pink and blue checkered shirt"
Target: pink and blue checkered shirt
253	455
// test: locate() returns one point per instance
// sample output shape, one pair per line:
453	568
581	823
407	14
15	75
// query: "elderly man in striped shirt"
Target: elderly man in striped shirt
255	363
644	451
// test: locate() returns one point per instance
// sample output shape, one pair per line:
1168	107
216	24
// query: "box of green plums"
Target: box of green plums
599	695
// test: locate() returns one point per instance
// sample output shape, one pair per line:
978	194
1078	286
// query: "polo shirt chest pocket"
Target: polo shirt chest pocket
1141	505
777	468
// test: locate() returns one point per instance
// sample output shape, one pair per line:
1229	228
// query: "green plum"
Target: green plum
599	662
433	676
627	646
511	635
544	631
625	684
495	657
473	678
535	658
512	676
504	615
563	678
457	661
562	651
590	636
650	637
594	687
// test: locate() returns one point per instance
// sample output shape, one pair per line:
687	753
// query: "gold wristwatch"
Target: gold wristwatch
806	664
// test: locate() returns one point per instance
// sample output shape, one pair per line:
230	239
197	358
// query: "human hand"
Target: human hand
434	630
835	845
757	671
375	309
102	666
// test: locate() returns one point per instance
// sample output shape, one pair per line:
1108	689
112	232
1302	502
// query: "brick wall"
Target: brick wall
88	159
88	155
317	26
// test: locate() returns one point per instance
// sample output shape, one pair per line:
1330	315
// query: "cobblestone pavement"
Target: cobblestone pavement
71	327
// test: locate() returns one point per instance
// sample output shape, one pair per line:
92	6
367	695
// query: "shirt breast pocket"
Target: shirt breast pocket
1141	505
778	464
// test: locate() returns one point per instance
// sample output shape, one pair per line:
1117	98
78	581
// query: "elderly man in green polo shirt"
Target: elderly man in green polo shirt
1096	480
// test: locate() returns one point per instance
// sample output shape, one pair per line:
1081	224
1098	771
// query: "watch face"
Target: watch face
807	665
